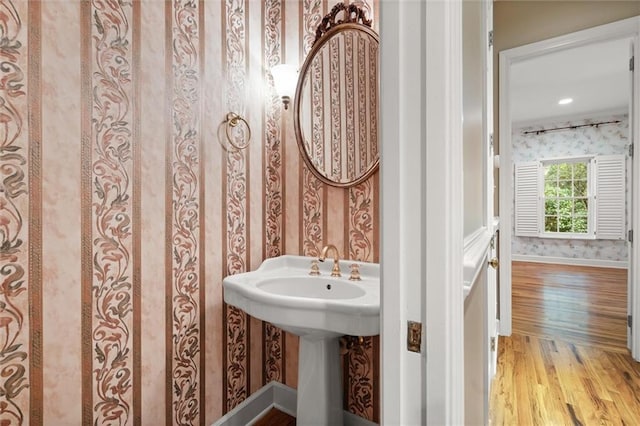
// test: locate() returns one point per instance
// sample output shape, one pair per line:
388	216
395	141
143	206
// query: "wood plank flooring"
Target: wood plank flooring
584	305
566	362
275	417
552	382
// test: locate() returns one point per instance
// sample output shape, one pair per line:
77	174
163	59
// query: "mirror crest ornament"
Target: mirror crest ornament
336	102
352	13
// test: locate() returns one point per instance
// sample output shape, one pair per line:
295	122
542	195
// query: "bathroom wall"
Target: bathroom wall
120	212
610	139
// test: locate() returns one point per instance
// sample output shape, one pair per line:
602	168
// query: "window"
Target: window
571	198
566	198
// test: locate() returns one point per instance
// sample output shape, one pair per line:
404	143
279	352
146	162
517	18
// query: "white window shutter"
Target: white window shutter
610	208
527	199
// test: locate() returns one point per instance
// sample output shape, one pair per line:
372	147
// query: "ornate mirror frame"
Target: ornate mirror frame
347	135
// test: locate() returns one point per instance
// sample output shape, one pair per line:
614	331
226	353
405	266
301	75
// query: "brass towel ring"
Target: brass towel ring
233	120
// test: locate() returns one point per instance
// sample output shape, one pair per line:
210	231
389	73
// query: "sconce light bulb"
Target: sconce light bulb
285	78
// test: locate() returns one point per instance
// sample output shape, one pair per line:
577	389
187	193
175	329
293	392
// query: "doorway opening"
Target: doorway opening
567	129
565	299
570	152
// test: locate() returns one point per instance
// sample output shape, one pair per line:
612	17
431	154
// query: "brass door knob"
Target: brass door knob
494	263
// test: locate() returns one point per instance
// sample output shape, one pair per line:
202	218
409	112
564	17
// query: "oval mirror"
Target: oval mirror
336	101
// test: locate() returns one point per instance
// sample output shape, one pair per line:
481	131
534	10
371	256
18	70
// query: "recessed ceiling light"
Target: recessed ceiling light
565	101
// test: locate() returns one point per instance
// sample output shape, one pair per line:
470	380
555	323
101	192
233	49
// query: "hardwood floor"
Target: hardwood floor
552	382
566	362
583	305
275	417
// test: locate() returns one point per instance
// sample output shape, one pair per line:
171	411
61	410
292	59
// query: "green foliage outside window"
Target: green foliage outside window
566	198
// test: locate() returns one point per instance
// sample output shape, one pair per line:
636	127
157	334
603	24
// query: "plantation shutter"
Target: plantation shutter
610	197
527	196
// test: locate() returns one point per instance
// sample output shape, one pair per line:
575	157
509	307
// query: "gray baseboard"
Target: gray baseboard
274	395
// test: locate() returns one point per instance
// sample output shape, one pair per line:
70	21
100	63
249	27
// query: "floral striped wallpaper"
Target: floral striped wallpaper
274	221
121	213
110	209
20	201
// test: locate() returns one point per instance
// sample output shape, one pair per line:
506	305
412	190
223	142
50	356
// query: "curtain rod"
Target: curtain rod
537	132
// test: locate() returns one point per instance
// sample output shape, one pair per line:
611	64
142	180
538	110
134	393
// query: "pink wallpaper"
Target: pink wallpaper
184	221
20	273
274	221
110	215
120	213
235	207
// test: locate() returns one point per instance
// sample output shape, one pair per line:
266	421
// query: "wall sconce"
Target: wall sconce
285	79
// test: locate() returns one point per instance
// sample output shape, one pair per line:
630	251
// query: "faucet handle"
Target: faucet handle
335	272
355	272
315	269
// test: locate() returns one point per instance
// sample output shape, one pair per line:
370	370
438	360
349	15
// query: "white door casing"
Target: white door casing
401	227
627	28
630	202
421	211
492	275
634	253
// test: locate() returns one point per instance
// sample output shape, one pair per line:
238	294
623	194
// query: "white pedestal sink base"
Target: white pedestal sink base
319	309
319	384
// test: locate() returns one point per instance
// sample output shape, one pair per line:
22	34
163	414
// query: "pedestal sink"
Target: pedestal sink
319	309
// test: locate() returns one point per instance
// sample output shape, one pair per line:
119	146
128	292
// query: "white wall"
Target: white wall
475	353
473	102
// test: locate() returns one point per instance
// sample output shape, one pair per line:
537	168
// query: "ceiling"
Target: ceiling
595	76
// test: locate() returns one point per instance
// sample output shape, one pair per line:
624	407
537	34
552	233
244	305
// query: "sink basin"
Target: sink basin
282	292
319	309
311	287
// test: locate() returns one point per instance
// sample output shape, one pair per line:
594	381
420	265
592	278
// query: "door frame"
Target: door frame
490	220
627	28
421	223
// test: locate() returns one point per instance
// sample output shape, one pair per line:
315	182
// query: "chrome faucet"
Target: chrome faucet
323	255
